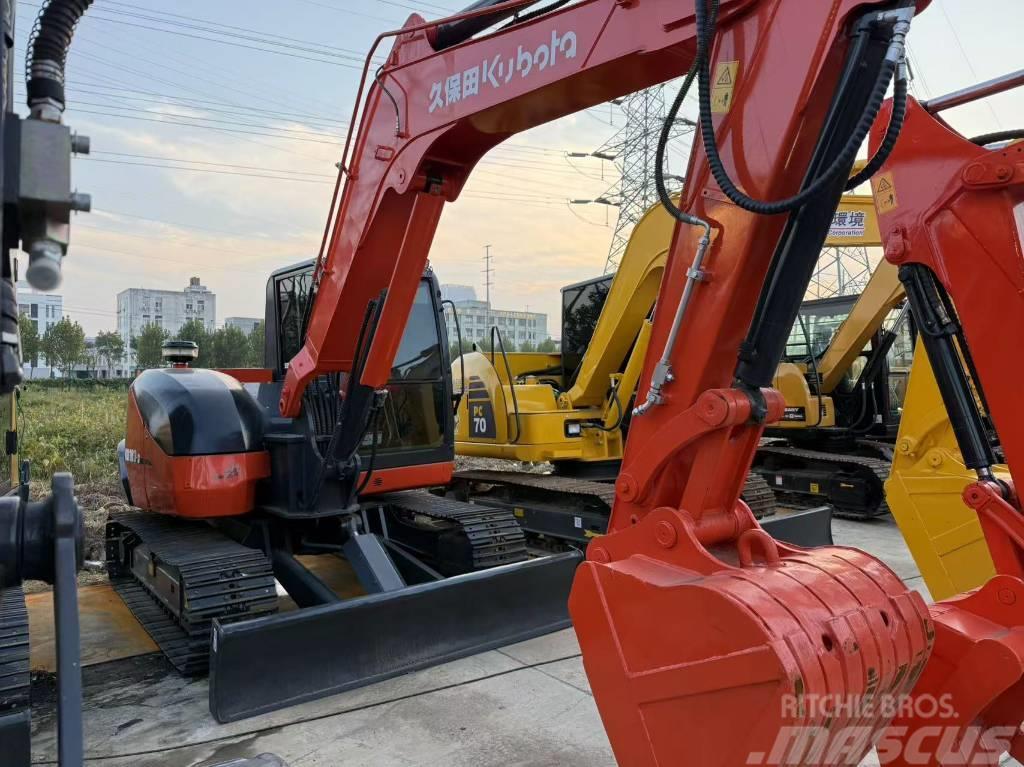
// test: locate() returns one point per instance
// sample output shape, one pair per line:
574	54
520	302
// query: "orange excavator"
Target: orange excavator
691	618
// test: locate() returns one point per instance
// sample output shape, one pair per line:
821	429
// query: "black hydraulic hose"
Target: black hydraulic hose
618	406
375	425
48	46
985	139
537	13
892	135
840	165
455	32
703	43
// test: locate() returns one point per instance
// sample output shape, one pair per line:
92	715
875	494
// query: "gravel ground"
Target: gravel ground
95	500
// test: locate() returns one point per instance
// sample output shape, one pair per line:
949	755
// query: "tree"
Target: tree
229	347
257	338
29	340
527	346
547	346
149	346
195	330
64	345
109	348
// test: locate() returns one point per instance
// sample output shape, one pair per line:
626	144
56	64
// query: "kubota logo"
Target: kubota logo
499	71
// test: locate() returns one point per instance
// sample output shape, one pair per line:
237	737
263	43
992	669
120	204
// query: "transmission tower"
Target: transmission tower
634	149
840	272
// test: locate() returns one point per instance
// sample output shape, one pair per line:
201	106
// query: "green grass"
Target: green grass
75	429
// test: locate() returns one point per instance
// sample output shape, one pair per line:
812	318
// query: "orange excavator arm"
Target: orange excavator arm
698	629
949	211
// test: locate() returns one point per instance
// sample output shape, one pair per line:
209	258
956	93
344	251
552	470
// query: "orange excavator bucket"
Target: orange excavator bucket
789	641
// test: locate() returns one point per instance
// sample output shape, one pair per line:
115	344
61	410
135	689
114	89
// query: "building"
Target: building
45	310
170	309
458	293
246	324
476	318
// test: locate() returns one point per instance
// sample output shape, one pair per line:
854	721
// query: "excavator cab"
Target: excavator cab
582	304
415	431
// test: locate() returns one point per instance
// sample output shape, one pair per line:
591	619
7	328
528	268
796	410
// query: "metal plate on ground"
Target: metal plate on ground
265	664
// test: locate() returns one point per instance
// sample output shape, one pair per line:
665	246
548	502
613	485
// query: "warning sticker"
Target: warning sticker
885	192
724	84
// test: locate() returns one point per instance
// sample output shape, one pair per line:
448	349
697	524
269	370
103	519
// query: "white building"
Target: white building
170	309
246	324
458	293
476	318
45	310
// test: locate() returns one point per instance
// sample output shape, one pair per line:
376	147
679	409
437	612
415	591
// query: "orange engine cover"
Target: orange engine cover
194	486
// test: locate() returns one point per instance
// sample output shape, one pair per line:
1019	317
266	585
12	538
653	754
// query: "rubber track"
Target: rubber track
603	491
877	466
14	651
495	535
759	496
757	493
221	579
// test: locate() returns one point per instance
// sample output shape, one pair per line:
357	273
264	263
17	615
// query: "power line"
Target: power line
202	104
203	76
348	11
218	120
205	170
210	127
262	49
216	164
275	35
182	225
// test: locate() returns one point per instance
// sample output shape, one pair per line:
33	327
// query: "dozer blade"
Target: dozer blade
265	664
809	529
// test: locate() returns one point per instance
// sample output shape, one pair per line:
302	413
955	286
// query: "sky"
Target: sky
216	124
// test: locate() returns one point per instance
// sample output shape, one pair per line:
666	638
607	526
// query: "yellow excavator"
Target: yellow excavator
572	409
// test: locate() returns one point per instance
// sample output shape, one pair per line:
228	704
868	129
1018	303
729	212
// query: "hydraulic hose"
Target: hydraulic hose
892	132
842	162
47	54
666	131
985	139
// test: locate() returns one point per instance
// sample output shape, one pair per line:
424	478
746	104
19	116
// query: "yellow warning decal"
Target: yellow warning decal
885	192
726	74
519	512
815	488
